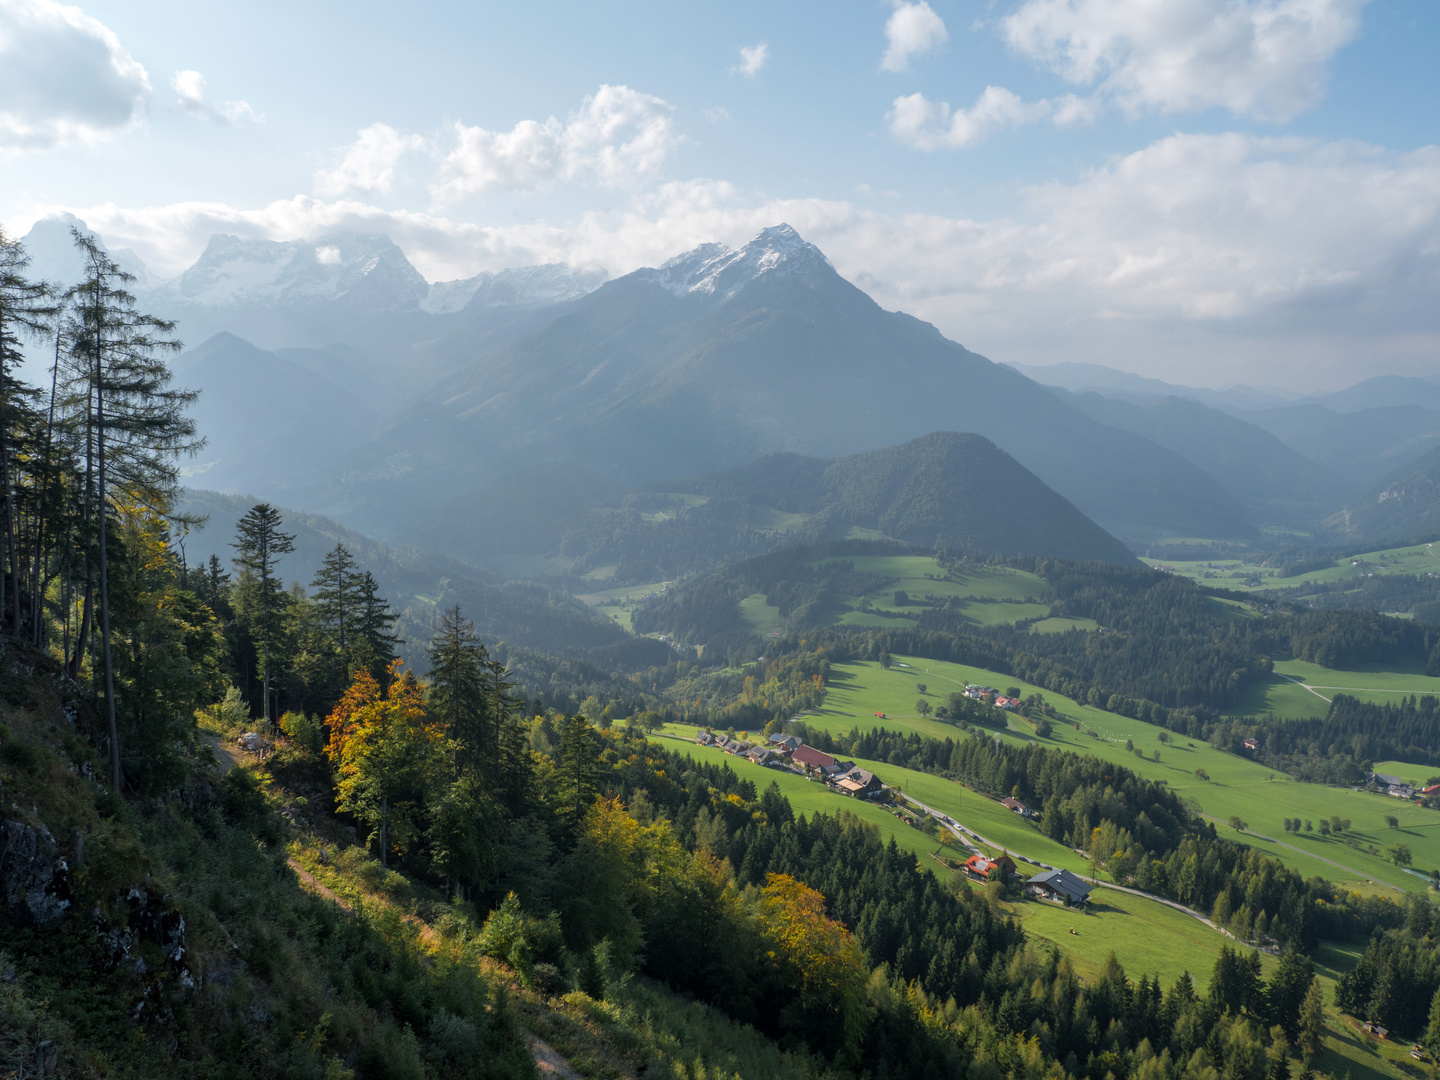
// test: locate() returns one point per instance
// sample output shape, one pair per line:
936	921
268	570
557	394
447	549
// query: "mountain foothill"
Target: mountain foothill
550	422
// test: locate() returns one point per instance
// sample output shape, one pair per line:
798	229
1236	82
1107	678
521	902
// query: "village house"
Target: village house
836	770
1430	792
1394	786
785	744
1251	744
860	783
1015	806
1003	702
807	757
1061	886
984	868
704	738
760	755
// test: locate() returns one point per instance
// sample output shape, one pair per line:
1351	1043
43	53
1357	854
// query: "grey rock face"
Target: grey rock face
33	886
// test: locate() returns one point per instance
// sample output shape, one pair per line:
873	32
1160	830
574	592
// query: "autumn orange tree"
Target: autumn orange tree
819	959
389	756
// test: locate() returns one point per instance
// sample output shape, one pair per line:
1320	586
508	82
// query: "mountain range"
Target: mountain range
469	415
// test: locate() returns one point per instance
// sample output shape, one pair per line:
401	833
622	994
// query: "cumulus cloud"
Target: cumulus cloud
617	137
64	77
912	29
931	125
369	163
1210	258
189	87
752	59
1266	59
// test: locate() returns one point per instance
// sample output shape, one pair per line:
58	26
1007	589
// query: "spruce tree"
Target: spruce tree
337	599
375	640
1312	1022
259	544
459	690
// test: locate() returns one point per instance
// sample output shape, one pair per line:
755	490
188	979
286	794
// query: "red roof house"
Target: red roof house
811	758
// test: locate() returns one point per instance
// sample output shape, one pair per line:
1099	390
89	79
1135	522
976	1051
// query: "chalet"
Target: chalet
1430	792
785	744
984	868
1017	807
704	738
1003	702
860	783
1394	786
836	770
734	747
1061	886
760	755
809	758
1252	745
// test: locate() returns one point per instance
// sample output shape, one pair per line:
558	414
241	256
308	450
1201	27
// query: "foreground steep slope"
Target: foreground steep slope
721	356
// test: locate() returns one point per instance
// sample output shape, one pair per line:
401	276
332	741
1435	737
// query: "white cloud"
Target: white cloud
617	137
1266	59
369	163
64	77
752	59
189	87
717	114
912	29
1202	258
931	125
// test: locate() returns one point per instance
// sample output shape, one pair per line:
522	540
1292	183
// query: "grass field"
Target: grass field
1236	786
1283	697
991	594
619	603
1243	576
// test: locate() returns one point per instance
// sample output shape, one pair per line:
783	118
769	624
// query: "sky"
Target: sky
1204	191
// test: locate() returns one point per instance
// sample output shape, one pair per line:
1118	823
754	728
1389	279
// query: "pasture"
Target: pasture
1235	786
618	603
1299	690
1246	577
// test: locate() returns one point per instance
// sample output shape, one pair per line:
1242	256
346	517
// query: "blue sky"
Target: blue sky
1207	191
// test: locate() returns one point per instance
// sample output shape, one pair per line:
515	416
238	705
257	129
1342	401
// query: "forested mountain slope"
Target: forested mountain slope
1403	506
955	491
1274	481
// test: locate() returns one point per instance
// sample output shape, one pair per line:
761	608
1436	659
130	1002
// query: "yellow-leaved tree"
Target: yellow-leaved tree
390	756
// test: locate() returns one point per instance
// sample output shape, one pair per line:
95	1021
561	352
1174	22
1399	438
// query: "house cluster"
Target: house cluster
990	694
1061	886
1394	786
844	776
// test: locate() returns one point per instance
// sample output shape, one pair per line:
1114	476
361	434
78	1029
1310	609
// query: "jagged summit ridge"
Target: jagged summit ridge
522	286
720	271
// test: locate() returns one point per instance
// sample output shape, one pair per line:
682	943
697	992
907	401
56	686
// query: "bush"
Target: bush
304	732
508	926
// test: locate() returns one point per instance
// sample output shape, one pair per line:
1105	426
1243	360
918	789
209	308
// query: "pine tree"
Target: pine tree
577	770
259	544
1288	988
134	420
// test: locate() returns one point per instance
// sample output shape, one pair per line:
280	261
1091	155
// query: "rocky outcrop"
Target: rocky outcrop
34	885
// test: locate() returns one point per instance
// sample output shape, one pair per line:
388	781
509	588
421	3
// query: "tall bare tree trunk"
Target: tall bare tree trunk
111	728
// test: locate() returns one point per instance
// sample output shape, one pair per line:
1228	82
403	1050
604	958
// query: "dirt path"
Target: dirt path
227	755
548	1062
311	882
1306	685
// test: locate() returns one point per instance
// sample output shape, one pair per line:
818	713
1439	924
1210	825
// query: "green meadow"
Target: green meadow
1244	576
1236	786
1298	689
619	603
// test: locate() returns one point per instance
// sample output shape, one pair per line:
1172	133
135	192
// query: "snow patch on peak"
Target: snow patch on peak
719	271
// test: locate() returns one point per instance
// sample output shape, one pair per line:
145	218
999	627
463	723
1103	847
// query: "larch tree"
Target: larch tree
26	311
259	544
134	422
